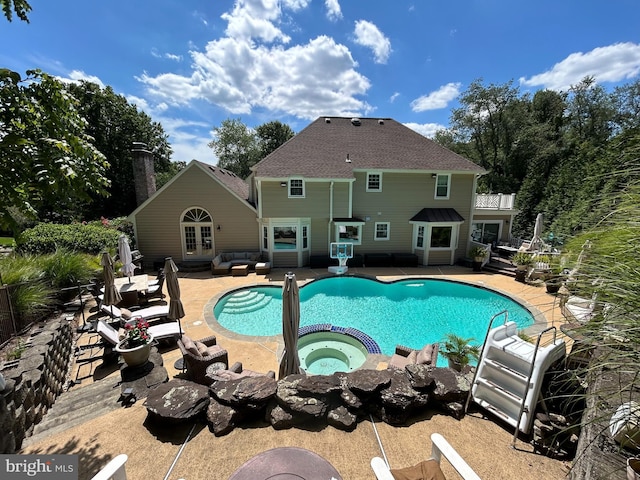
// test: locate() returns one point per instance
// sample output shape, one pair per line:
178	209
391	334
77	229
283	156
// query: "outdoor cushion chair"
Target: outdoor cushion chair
161	331
199	354
154	291
236	371
429	469
148	313
404	356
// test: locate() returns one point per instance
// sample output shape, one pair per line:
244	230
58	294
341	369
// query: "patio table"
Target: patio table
286	463
130	287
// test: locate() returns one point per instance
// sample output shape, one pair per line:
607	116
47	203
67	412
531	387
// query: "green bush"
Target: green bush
65	269
33	299
18	269
77	237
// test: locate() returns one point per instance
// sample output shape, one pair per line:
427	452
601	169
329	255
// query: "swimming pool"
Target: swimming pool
411	312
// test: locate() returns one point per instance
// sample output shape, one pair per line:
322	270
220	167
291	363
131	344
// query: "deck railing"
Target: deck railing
496	201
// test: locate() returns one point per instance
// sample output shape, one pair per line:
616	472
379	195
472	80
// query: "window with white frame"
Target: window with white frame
349	232
381	231
296	188
374	182
285	237
305	237
485	232
442	187
265	238
441	237
420	237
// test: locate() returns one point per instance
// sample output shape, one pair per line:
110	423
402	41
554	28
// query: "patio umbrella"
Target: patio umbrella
124	251
290	362
111	293
536	241
176	309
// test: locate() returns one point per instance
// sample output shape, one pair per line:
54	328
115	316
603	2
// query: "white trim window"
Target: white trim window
420	236
296	188
374	181
442	237
443	187
382	231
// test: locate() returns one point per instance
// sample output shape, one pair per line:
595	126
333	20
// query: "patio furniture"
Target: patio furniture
262	268
154	291
224	262
429	468
114	470
158	332
404	259
286	462
377	260
199	354
148	313
130	288
239	270
404	356
235	372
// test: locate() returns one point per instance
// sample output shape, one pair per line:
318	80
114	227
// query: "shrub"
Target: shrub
65	269
77	237
18	269
33	299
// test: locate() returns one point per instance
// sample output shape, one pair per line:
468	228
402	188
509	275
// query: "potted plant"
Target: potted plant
459	351
555	278
478	254
522	260
135	348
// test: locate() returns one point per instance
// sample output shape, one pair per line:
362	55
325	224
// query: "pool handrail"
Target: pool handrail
486	335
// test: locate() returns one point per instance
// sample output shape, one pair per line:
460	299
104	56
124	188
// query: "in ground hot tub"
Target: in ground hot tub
324	353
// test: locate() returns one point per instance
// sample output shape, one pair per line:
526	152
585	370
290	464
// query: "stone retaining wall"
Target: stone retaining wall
34	381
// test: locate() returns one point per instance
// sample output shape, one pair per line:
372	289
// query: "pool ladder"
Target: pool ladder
510	371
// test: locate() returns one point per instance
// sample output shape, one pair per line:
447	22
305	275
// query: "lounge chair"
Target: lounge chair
440	447
158	332
404	356
114	470
199	354
148	313
579	309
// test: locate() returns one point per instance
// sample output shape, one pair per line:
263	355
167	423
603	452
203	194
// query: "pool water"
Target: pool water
322	353
410	312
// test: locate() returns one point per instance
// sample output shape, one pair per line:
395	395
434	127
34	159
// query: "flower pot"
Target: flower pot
455	365
134	356
477	265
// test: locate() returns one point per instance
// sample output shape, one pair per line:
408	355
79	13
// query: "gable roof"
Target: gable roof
320	151
229	179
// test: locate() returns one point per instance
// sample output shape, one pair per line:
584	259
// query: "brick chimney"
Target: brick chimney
144	174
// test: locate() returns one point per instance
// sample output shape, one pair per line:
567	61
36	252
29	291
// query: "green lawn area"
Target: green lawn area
6	241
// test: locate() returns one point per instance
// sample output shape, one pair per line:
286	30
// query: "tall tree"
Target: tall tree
114	124
236	147
46	156
271	135
20	7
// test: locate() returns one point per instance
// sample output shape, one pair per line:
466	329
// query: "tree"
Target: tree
114	124
20	7
46	157
271	135
236	147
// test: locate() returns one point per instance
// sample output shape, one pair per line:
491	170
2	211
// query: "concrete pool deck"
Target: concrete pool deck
485	444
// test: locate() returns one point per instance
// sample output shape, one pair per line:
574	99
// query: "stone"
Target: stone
278	417
399	394
342	419
319	385
143	378
222	419
291	399
252	392
450	386
177	400
420	376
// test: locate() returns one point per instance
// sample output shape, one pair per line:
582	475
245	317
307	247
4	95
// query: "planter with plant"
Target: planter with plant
522	260
555	278
459	351
135	348
477	254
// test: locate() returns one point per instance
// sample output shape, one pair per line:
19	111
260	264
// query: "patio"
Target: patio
479	440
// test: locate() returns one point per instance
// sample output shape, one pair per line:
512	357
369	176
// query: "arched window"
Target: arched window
196	226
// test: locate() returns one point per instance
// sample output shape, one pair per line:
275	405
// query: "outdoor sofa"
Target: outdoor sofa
223	262
404	356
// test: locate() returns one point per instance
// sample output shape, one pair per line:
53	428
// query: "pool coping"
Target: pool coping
539	320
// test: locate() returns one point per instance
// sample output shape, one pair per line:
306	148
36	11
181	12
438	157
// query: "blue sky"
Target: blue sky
190	65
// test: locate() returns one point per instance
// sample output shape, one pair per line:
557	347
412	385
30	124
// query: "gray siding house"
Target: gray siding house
371	182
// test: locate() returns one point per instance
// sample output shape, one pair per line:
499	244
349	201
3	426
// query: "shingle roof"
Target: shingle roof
230	179
437	215
320	150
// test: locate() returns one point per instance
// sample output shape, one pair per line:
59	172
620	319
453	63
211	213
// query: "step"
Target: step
497	412
500	389
246	304
243	296
493	363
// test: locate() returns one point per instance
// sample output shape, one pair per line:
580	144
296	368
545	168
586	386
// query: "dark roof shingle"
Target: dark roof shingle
320	150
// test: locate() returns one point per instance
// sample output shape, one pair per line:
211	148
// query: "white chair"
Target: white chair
148	313
114	470
439	448
158	332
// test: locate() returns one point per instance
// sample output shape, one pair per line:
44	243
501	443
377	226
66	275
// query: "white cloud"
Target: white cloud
438	99
171	56
255	19
296	5
77	75
368	35
426	129
612	63
393	97
334	12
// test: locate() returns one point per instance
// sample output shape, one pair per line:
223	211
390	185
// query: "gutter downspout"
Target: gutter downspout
330	213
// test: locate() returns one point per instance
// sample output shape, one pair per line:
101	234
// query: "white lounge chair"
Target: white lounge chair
148	313
114	470
158	332
579	309
440	447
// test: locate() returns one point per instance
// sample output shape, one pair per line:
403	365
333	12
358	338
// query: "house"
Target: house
371	182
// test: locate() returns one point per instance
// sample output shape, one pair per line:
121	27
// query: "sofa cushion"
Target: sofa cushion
217	261
239	255
227	257
212	350
202	348
412	357
190	346
125	313
425	470
227	375
425	355
254	257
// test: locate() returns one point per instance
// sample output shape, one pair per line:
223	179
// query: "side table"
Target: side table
214	368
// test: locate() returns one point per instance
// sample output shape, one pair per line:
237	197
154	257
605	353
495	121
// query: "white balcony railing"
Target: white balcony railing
495	201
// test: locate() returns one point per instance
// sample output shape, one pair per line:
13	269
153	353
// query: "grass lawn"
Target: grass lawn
6	241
